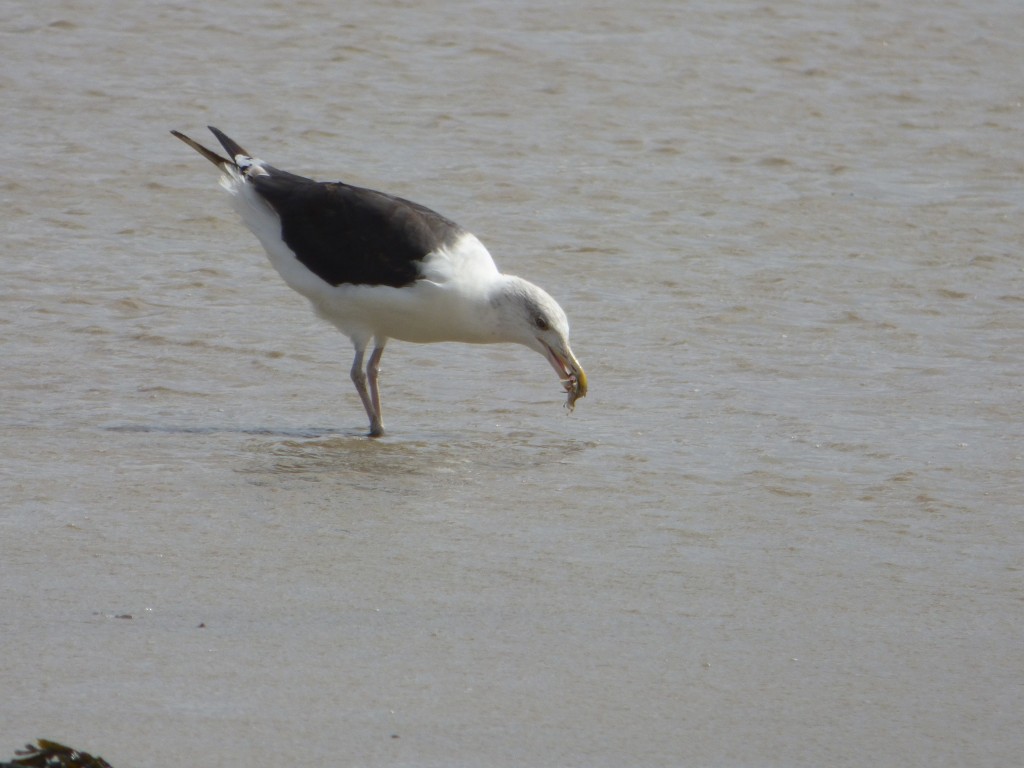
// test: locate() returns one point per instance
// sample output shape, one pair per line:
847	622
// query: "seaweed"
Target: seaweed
50	754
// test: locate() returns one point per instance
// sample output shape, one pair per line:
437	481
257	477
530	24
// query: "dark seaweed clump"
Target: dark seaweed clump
50	754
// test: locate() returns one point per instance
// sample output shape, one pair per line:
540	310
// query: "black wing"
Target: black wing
347	234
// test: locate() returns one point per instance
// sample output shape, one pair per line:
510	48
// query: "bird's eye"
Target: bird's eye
541	323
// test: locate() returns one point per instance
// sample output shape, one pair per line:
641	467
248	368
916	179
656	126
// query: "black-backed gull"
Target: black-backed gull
379	267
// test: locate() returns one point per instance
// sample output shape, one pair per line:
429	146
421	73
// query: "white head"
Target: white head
528	315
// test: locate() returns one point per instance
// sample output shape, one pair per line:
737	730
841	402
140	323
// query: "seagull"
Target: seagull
380	267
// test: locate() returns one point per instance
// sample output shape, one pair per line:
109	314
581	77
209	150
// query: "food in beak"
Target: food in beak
574	380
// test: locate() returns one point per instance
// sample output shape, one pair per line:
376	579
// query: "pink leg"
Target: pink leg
359	379
372	375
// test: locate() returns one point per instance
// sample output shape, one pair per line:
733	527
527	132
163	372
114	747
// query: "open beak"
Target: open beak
569	370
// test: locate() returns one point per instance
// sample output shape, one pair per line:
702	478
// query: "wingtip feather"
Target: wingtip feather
210	155
230	146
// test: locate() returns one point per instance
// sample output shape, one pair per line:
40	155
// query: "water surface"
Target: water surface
783	528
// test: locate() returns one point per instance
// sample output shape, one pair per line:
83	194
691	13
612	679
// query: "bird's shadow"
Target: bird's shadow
306	450
318	452
285	432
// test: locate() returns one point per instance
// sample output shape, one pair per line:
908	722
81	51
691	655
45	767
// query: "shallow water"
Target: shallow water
783	528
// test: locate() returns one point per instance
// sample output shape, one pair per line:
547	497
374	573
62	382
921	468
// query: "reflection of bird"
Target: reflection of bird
379	267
